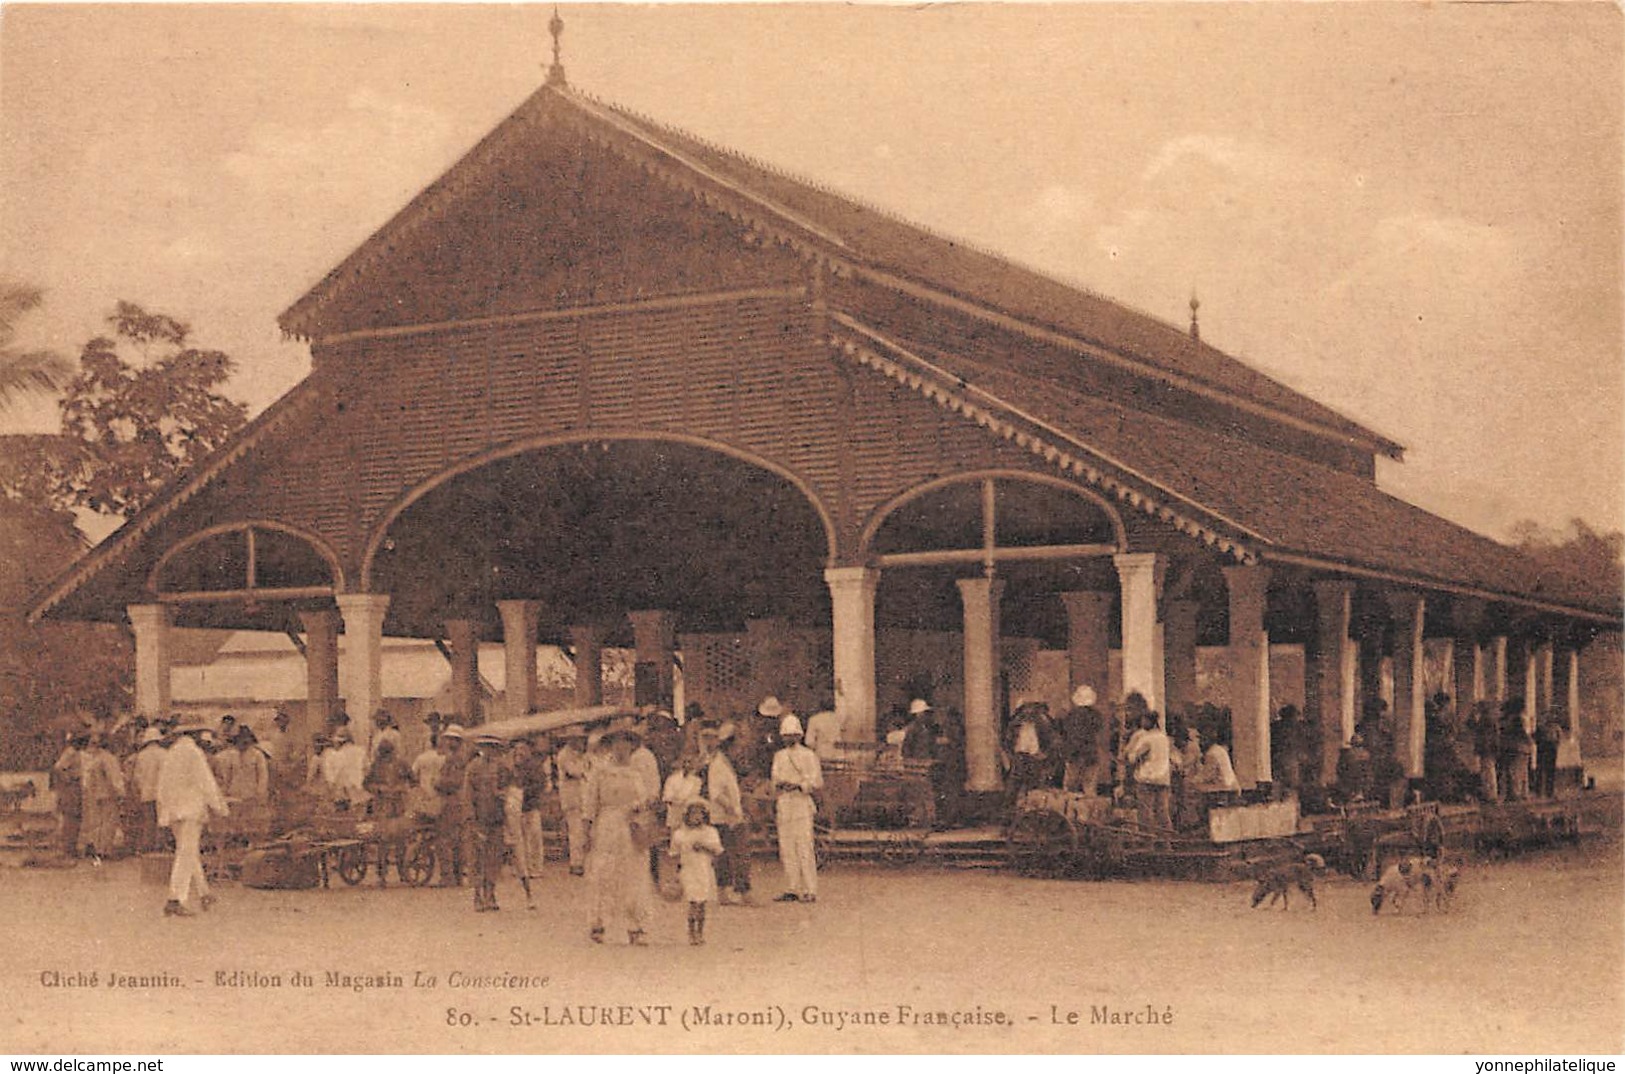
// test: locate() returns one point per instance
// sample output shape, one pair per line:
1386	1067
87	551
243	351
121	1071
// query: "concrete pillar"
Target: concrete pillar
1331	676
852	634
1179	654
1410	724
1351	686
655	639
1567	691
519	619
361	661
151	624
981	601
588	641
1249	672
321	670
1088	640
1495	685
1530	666
1544	699
1139	576
462	635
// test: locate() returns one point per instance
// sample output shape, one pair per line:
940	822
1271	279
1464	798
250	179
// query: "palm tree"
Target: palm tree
23	370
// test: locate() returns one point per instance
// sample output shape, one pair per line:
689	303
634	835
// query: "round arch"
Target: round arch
380	529
878	517
316	543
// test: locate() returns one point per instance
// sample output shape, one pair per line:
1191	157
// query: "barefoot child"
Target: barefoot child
696	845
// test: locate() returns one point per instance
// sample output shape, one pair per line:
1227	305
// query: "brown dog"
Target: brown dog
1277	883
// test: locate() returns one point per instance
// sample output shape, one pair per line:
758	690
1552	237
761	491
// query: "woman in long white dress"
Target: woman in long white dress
616	797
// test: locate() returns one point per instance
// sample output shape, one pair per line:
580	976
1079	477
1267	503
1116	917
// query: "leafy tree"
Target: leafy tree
23	370
1582	553
137	424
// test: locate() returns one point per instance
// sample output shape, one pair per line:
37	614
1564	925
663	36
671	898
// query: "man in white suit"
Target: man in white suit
187	797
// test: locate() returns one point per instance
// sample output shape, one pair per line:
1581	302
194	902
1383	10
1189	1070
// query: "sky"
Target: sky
1411	212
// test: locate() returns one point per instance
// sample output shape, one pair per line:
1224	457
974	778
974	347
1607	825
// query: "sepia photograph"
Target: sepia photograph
806	528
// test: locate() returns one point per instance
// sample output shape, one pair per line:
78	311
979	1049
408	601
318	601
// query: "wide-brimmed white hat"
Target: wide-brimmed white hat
1083	696
790	725
453	730
770	706
918	705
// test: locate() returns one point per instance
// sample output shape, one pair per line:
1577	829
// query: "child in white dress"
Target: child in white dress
696	846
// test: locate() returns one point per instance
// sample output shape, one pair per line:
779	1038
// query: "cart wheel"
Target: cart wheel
417	862
352	864
1042	843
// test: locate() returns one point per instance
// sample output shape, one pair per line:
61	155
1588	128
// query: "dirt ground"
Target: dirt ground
1532	960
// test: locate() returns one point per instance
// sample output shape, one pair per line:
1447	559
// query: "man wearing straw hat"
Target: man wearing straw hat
187	796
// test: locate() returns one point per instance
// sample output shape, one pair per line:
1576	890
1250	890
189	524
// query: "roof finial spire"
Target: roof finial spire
1196	326
555	26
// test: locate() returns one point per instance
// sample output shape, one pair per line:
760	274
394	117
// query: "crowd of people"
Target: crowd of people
641	800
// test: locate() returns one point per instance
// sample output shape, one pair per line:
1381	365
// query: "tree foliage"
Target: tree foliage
21	369
1590	556
135	424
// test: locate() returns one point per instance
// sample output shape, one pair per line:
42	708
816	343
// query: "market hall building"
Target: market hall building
605	383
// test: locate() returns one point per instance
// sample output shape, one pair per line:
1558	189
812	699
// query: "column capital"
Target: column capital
148	616
358	606
979	588
1138	563
848	577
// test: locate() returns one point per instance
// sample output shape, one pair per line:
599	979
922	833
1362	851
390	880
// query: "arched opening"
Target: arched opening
598	528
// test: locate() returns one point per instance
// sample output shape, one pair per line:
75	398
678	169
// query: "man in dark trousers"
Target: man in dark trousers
453	818
1081	729
487	777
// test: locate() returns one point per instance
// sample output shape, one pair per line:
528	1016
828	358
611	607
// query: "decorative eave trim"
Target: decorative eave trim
123	540
1423	581
1057	447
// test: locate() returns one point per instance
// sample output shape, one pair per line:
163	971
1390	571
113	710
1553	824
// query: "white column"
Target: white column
361	666
1249	672
462	635
1545	700
1333	671
150	623
519	619
655	639
1496	686
1410	727
852	634
588	641
1531	683
1088	640
1139	574
321	669
981	600
1568	687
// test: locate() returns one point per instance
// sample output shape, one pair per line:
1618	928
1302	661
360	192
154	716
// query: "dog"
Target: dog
1444	879
1407	877
12	798
1277	883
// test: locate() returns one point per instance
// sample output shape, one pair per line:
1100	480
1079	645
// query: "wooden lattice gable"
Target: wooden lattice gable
530	154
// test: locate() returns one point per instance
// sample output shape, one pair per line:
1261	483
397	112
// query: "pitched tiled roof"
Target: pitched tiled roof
1278	506
868	239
